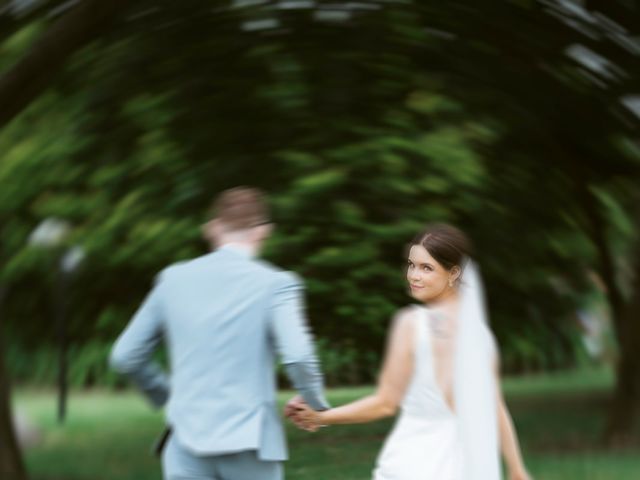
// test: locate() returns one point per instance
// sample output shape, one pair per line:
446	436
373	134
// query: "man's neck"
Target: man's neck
245	247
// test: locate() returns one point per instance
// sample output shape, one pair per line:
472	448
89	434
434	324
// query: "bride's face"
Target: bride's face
428	280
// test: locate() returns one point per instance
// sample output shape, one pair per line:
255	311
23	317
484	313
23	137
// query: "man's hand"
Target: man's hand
293	405
306	418
293	408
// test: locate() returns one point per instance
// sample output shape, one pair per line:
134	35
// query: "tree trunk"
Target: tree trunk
626	399
11	464
35	71
596	227
624	312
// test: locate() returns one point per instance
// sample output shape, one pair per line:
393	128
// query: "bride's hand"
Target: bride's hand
306	418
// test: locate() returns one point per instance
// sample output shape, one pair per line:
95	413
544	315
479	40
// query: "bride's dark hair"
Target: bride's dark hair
446	243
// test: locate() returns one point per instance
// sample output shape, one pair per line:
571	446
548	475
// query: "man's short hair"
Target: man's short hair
241	207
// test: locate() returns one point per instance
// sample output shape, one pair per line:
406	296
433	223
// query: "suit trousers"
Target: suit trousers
178	463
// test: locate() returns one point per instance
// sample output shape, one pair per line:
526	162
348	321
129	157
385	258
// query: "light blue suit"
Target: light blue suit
224	317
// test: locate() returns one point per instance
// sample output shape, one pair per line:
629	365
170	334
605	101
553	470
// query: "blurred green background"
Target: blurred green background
515	120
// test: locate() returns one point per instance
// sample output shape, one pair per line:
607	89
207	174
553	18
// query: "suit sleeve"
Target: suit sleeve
294	342
132	352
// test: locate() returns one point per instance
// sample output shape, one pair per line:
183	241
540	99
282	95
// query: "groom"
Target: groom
224	317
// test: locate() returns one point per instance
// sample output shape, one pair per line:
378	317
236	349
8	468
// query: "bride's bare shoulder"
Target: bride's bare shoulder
409	311
405	317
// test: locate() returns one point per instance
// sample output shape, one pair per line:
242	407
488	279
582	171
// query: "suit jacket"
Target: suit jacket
224	317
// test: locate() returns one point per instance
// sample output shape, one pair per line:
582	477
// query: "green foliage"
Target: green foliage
87	365
362	130
345	363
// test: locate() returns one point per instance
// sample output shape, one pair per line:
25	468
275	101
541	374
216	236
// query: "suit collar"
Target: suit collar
237	249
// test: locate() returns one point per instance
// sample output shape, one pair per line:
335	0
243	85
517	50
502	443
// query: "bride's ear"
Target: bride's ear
454	274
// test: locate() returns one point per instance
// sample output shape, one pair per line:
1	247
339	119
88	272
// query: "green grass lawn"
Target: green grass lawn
107	435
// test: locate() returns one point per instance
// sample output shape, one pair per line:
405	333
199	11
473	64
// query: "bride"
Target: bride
441	369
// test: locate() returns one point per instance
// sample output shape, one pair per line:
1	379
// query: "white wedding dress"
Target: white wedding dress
429	440
424	443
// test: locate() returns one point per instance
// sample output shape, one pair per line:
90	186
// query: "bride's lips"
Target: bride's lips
415	287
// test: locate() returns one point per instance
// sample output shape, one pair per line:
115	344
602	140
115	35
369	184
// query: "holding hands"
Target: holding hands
302	416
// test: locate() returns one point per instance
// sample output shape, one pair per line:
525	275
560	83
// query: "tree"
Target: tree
35	71
338	115
11	464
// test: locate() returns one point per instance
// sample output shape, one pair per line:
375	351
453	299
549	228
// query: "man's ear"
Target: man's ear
262	232
211	230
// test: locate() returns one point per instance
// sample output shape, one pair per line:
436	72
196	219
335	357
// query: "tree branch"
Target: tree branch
12	20
36	70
